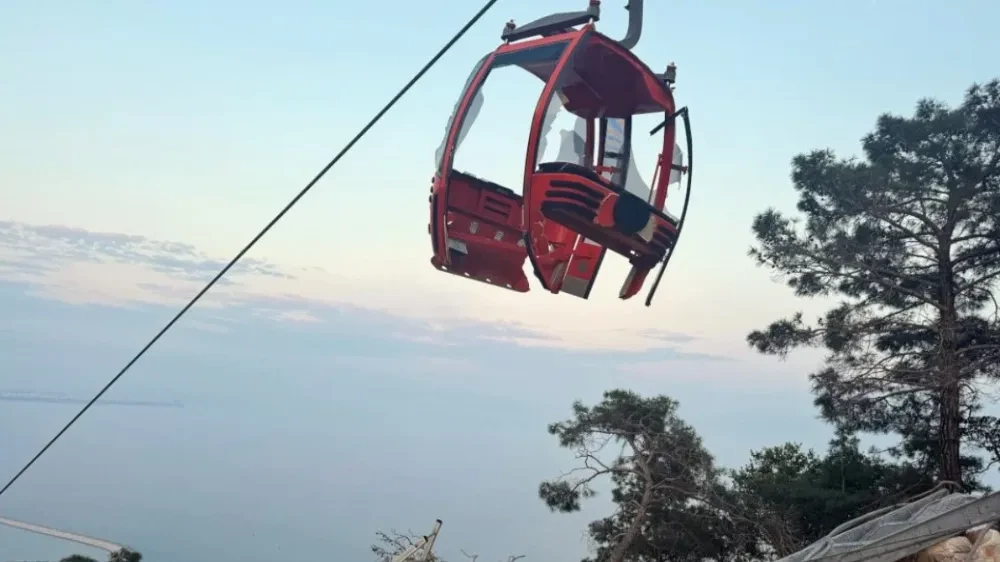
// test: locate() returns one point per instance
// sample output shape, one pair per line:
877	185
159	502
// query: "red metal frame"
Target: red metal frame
439	188
553	240
643	255
550	269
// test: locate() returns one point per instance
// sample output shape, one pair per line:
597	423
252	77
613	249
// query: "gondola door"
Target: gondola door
585	263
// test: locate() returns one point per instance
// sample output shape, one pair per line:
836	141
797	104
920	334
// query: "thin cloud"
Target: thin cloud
79	266
45	247
666	335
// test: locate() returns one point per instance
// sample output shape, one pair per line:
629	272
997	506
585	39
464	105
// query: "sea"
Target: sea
286	444
253	482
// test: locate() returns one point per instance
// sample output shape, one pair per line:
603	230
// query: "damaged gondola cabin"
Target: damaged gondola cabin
574	208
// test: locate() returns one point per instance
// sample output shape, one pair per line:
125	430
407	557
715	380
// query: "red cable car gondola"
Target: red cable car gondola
572	210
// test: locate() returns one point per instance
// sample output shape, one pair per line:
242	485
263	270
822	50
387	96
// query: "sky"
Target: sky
336	383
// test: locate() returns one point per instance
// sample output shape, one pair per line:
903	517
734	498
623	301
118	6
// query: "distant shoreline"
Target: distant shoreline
41	398
100	544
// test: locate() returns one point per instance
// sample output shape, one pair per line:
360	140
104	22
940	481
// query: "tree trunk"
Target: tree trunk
950	437
950	428
618	554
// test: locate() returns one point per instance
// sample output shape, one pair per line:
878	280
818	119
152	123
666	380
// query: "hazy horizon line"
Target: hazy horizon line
40	397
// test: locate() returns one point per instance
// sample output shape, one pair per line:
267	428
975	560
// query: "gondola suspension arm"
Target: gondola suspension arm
562	22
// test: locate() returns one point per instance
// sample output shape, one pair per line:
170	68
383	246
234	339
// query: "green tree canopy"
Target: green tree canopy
672	504
665	487
78	558
908	241
125	555
798	497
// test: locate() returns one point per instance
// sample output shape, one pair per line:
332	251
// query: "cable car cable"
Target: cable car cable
378	116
